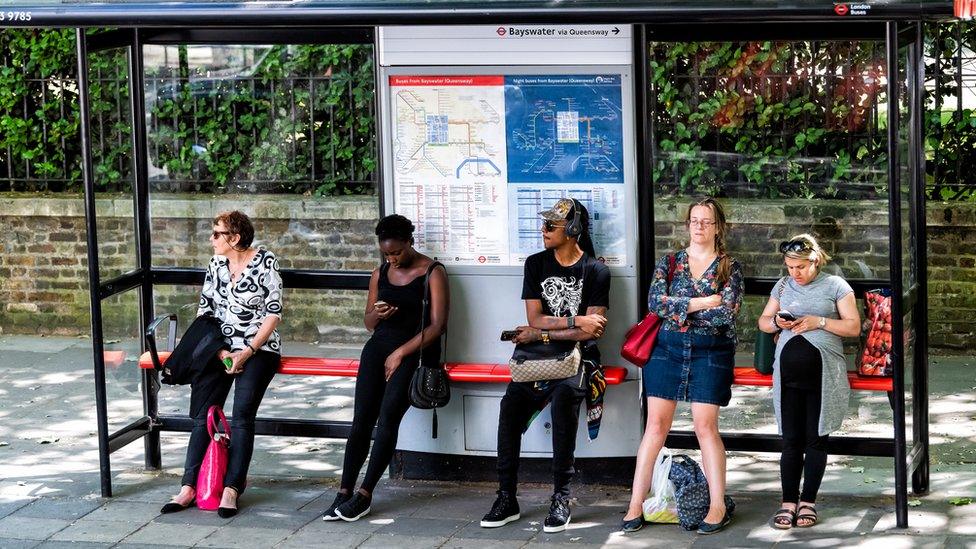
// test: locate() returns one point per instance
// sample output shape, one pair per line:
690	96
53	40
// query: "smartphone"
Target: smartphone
380	303
508	335
786	315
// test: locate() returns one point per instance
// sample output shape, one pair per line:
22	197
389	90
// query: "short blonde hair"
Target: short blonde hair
804	246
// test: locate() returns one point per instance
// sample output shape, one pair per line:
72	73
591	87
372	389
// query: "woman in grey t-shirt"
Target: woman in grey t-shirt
812	311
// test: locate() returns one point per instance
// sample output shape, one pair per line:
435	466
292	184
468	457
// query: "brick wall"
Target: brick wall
43	276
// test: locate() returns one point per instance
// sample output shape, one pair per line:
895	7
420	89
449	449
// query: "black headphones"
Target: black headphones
574	226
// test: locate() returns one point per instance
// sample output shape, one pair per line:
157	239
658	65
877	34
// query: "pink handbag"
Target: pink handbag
210	480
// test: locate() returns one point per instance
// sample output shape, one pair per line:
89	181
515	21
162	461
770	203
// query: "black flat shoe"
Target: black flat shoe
633	524
226	512
706	528
173	507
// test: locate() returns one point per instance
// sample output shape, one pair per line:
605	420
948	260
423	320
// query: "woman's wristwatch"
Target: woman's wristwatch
772	322
823	323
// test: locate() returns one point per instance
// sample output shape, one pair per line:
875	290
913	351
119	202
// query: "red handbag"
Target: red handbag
639	341
210	480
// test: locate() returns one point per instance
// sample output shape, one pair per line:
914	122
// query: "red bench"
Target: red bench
347	367
464	372
749	376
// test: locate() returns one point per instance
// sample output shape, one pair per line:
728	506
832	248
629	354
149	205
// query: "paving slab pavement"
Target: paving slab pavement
49	485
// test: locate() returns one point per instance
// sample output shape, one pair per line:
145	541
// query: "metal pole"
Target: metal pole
920	313
895	273
645	200
88	178
137	100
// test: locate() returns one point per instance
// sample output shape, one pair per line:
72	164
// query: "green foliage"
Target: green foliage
763	119
768	119
38	109
950	140
300	120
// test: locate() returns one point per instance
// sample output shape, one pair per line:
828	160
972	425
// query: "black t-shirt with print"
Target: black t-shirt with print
567	291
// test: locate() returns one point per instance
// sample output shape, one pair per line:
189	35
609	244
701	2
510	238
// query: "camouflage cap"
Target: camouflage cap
559	211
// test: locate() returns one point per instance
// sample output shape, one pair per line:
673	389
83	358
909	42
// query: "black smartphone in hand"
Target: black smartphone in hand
786	315
508	335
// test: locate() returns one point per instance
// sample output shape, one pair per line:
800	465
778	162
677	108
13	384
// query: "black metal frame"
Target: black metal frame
144	277
198	28
896	35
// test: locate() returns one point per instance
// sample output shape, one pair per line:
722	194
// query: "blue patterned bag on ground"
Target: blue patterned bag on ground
691	492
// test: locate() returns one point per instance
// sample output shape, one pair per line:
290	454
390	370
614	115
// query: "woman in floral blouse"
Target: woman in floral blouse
697	292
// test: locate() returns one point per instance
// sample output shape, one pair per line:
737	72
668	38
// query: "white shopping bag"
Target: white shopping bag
661	506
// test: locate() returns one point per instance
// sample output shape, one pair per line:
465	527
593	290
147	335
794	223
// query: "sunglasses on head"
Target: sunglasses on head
794	247
550	226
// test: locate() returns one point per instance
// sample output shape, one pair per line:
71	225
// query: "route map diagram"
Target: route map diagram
475	158
449	164
564	128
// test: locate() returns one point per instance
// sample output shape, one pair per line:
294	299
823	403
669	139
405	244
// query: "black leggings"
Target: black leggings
211	387
804	450
378	403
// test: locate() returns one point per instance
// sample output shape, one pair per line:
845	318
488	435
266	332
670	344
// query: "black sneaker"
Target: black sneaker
504	510
354	508
559	514
330	513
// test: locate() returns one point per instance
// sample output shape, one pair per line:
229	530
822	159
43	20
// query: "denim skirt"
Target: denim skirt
691	367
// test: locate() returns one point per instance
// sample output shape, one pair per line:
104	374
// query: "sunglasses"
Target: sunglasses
794	247
218	234
550	226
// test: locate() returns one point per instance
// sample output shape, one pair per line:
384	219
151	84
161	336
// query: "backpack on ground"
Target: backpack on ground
691	492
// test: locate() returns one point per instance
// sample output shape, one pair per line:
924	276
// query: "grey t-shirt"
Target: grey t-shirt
818	298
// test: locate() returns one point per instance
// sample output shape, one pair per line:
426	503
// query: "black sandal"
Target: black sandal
784	518
811	517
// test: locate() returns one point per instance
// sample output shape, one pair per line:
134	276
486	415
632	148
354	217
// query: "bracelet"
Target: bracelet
545	337
772	322
570	322
248	345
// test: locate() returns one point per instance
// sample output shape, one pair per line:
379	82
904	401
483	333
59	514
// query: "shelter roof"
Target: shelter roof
268	13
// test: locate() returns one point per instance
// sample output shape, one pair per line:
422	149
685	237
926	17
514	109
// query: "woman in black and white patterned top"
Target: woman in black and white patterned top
243	290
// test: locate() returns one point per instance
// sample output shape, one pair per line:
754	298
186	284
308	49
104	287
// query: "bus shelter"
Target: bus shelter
895	27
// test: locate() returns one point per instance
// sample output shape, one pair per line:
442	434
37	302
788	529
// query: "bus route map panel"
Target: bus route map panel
476	157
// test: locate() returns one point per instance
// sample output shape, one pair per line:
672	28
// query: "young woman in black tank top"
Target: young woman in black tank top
389	358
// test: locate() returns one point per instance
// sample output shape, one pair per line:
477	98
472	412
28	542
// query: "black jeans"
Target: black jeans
379	403
212	387
520	403
804	450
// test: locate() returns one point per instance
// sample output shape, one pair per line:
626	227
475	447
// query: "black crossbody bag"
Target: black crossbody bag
430	388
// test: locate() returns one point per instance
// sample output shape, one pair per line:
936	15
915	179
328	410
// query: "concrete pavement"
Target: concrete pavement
49	488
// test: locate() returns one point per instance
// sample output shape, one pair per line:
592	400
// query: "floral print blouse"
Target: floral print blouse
671	304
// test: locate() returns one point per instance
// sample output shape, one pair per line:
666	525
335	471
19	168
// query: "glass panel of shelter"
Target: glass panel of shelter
791	135
122	334
284	133
908	170
281	132
112	160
